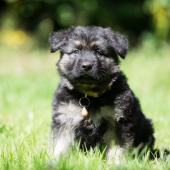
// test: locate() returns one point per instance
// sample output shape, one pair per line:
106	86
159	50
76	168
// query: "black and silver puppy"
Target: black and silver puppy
93	102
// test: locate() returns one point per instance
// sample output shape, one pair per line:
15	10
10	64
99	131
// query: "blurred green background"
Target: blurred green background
21	20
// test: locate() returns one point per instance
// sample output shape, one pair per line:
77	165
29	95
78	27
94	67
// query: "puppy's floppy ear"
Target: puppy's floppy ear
58	39
118	42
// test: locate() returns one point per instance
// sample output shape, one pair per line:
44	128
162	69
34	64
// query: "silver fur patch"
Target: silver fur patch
70	114
65	59
118	114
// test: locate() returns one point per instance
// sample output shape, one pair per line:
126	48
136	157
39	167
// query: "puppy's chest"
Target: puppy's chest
72	111
100	113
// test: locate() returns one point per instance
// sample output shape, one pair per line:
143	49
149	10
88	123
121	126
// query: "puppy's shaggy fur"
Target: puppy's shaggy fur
89	65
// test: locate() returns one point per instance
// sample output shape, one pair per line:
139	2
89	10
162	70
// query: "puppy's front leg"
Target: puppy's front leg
62	140
65	119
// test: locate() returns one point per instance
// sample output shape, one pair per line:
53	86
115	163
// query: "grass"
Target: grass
27	81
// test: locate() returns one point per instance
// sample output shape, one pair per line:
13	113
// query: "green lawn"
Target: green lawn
27	81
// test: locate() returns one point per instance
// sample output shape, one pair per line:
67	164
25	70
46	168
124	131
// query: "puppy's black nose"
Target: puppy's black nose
86	66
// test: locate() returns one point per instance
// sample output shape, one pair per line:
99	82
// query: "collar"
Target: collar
98	93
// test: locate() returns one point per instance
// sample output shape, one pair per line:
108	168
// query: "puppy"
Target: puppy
93	103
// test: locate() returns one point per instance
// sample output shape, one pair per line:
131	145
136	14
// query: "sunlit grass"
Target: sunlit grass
27	81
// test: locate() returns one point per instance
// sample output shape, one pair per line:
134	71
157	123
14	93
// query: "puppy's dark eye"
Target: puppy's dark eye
99	52
76	51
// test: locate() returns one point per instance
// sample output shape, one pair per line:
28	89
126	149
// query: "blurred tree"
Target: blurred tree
132	17
160	11
3	5
123	15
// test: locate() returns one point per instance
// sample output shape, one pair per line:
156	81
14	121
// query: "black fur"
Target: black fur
92	66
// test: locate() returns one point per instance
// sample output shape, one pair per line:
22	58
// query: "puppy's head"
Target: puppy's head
89	56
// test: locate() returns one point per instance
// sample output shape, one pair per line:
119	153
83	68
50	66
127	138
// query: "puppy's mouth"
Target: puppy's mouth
86	80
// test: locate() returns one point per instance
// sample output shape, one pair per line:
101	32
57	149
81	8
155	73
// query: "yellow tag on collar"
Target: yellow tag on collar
84	112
